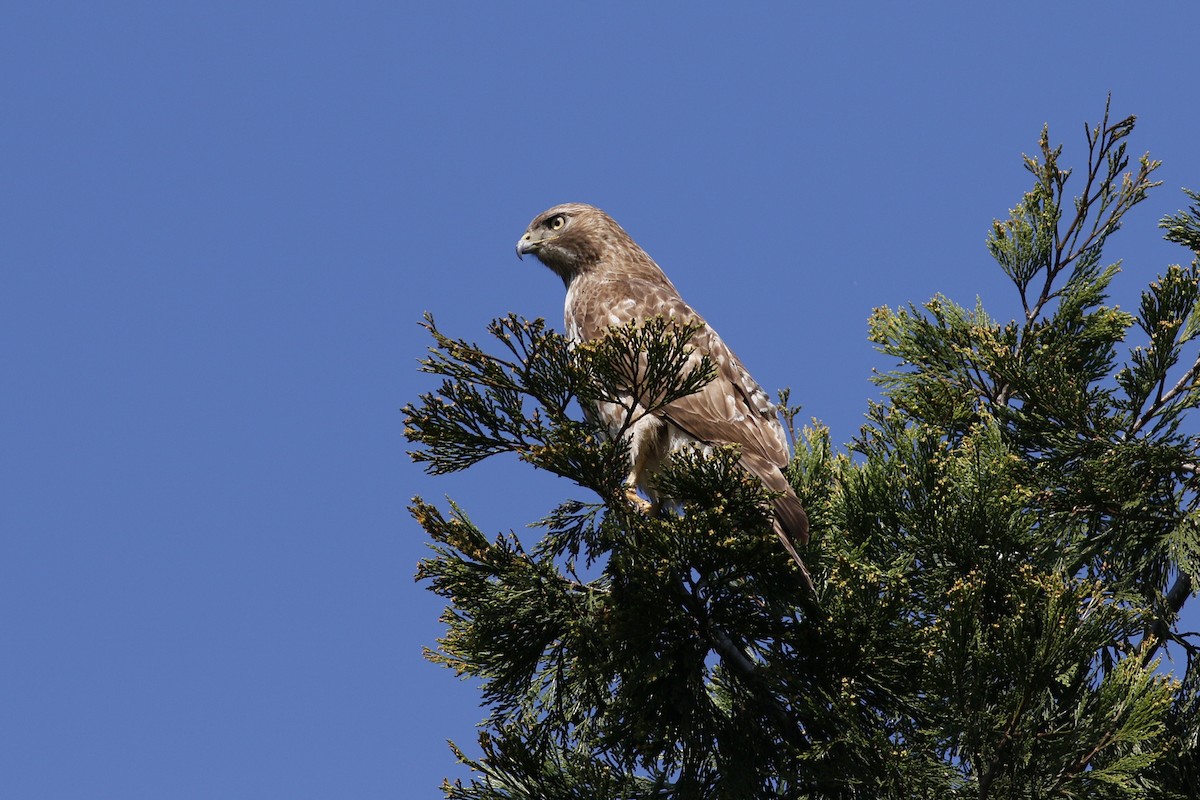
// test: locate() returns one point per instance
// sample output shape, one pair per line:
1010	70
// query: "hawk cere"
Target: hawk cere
611	281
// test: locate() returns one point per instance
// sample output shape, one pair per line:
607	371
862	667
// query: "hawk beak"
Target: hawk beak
526	244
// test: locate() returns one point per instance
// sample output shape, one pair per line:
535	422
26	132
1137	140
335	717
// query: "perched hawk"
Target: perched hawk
611	281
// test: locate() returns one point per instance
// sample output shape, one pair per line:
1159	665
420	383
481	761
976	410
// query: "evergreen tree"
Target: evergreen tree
1000	555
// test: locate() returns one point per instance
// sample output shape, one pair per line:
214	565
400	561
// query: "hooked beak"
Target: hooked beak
526	244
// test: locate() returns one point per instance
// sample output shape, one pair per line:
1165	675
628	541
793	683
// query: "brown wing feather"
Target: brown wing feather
730	409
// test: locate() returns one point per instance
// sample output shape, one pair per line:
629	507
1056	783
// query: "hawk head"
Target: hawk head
572	238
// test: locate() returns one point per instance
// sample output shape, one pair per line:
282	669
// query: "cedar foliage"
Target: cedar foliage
1000	555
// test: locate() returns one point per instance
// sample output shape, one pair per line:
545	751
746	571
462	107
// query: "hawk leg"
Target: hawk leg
640	503
643	440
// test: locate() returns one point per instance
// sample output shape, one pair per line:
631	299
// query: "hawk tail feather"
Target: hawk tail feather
792	523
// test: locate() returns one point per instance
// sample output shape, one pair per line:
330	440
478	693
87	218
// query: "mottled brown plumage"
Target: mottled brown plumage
611	281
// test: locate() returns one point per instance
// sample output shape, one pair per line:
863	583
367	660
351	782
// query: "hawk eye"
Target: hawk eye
556	222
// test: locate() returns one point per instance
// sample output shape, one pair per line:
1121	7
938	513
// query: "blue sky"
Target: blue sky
221	223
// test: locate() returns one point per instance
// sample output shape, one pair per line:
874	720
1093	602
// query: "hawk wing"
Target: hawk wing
730	409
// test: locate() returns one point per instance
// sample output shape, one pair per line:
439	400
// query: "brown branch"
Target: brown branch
1179	593
1082	762
985	780
738	662
1184	383
1068	239
1158	632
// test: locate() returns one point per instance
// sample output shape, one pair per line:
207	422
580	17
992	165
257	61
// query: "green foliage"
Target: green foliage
1000	556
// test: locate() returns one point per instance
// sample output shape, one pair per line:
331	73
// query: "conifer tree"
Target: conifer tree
1000	555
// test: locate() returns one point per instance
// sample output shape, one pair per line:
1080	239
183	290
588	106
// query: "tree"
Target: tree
1000	555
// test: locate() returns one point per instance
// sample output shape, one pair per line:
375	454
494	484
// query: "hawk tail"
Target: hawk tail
790	517
792	523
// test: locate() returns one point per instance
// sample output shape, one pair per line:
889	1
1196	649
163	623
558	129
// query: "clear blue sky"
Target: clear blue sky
221	222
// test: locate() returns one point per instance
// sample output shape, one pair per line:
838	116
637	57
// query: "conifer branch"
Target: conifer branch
1003	551
1186	383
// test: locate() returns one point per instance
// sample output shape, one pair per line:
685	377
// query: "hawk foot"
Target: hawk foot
640	503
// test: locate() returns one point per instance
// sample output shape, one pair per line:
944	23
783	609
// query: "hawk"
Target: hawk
611	281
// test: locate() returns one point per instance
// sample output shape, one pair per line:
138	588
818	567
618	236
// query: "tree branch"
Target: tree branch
739	663
1185	382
